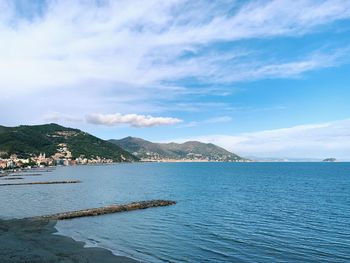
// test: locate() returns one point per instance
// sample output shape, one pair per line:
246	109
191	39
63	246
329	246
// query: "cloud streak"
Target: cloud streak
171	58
66	44
134	120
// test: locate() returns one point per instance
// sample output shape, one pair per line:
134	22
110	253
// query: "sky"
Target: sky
259	78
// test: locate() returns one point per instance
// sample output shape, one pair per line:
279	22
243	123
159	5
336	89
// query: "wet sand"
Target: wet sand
33	241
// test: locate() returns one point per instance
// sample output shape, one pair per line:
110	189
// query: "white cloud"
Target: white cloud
72	44
133	120
322	140
101	56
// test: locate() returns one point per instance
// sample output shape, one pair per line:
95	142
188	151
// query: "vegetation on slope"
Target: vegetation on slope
27	141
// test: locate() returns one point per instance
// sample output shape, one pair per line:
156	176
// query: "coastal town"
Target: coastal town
190	158
63	157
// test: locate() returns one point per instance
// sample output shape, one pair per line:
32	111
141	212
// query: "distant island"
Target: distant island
330	160
52	144
188	151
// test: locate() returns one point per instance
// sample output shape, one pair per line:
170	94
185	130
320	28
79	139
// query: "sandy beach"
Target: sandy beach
33	241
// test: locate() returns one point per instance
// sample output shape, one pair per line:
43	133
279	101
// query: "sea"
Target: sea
225	212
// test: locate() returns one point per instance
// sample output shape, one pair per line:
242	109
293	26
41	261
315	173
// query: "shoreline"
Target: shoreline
36	241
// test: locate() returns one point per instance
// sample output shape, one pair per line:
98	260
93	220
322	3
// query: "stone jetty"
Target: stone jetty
115	208
25	174
52	182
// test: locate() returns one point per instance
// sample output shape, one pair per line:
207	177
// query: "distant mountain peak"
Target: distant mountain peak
190	150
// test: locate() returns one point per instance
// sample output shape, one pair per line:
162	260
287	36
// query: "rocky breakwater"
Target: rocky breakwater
52	182
115	208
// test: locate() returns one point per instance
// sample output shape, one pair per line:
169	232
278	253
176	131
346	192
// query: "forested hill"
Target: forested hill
26	141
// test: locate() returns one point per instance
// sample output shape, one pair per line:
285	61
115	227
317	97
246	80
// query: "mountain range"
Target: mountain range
27	141
191	150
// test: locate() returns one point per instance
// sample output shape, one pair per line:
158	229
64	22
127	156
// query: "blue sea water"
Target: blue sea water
226	212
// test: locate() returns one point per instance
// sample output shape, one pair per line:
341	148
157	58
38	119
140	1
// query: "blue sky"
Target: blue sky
261	78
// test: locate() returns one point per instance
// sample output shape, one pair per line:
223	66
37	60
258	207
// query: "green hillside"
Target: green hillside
188	150
26	141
